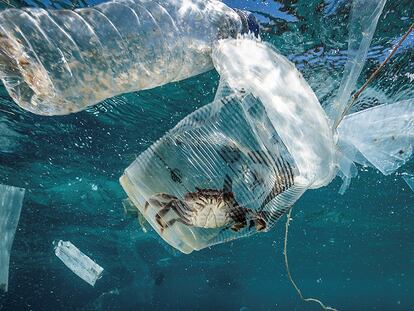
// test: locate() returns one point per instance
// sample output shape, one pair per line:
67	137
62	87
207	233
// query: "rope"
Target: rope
374	74
288	270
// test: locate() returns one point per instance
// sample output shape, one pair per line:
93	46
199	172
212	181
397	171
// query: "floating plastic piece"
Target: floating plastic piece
11	199
409	179
208	180
233	167
382	136
364	19
80	264
56	62
290	106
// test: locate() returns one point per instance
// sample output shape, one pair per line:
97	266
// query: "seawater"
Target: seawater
355	251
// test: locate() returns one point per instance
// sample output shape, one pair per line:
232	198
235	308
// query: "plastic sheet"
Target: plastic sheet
382	136
62	61
80	264
11	199
364	19
288	101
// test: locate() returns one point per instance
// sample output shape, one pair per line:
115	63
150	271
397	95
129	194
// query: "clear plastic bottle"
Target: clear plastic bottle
55	62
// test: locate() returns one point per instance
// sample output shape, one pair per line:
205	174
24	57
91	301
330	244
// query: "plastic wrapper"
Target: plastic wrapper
80	264
382	136
364	18
233	167
11	199
62	61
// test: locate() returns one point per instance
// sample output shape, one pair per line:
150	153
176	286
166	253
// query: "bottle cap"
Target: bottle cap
249	22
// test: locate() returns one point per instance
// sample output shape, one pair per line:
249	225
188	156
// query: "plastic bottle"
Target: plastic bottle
56	62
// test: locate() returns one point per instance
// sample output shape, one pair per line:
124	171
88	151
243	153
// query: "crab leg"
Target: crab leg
157	200
174	220
174	205
236	227
159	216
182	211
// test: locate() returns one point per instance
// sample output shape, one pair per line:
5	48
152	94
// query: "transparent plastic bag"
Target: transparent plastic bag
364	18
233	167
289	103
11	199
383	135
62	61
213	178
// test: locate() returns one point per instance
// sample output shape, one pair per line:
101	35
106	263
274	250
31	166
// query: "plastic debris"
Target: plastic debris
382	136
234	167
61	61
11	199
364	18
80	264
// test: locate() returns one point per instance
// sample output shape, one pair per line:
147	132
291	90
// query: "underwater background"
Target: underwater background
354	251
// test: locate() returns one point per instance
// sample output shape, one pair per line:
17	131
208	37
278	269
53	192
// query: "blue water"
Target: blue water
355	252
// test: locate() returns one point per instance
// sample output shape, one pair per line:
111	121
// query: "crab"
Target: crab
206	208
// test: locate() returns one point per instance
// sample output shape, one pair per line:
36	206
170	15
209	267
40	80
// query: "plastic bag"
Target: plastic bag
233	167
364	18
382	136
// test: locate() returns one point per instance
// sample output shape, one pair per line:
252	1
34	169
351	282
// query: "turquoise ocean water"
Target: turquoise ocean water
354	251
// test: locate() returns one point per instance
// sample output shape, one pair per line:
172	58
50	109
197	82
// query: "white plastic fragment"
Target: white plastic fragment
289	102
11	199
80	264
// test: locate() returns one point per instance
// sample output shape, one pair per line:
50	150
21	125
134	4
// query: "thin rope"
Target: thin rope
288	270
374	74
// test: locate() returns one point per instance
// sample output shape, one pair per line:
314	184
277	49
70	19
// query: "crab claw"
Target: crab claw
260	224
161	222
260	220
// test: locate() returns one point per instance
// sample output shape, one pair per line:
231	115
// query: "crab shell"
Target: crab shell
209	208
